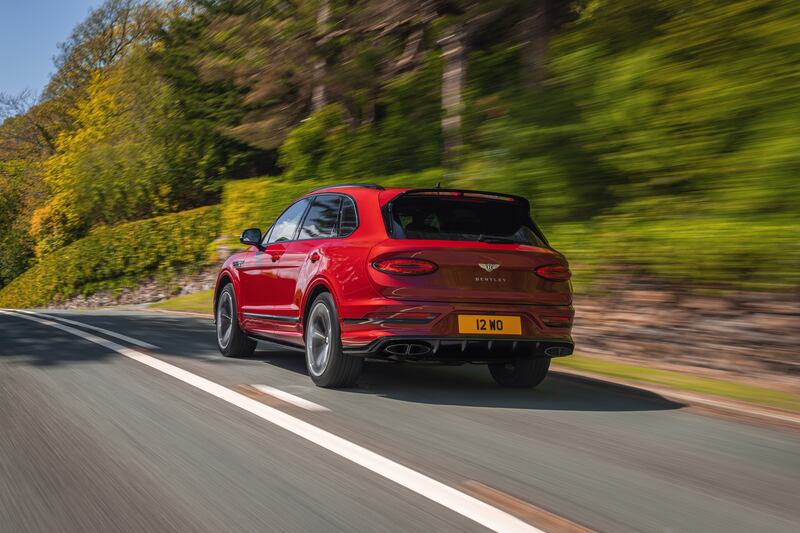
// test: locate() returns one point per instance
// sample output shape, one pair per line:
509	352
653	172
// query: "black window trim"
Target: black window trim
312	198
339	220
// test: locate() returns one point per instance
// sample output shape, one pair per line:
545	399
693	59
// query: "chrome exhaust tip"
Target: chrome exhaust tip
558	351
406	349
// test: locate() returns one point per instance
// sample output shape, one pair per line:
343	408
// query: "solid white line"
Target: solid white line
290	398
445	495
120	336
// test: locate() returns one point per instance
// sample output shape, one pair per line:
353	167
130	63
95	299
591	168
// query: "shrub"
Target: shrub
118	256
757	253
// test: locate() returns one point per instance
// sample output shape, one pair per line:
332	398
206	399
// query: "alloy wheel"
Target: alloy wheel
224	319
318	340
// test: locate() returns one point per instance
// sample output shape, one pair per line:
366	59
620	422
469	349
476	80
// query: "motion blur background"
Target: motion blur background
658	142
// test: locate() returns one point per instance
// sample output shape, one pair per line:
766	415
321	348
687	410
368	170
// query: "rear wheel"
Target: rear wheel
328	366
524	372
231	340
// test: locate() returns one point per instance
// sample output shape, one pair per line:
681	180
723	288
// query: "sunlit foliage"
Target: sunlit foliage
119	161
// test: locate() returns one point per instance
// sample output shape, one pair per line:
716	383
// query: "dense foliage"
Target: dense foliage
113	257
658	137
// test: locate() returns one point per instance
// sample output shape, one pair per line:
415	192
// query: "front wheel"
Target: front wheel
231	340
327	364
522	373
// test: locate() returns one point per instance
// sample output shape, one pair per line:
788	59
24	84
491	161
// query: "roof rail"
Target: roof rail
364	185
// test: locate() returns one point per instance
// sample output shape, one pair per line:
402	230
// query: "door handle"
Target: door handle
314	257
275	257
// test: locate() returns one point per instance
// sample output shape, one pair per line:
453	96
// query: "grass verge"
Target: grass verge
680	381
197	302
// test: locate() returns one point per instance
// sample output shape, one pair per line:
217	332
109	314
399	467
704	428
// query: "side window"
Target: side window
348	220
320	222
286	225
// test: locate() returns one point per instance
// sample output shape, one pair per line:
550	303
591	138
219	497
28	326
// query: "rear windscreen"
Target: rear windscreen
461	219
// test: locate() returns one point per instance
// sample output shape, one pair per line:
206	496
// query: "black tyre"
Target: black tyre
328	366
523	373
231	340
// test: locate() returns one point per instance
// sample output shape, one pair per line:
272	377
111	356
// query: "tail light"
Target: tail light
553	273
405	266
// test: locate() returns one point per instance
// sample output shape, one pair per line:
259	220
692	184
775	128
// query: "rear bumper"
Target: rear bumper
438	339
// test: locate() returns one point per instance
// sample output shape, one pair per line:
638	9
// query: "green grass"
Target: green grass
198	302
680	381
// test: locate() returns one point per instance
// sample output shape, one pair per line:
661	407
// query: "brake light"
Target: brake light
553	273
405	266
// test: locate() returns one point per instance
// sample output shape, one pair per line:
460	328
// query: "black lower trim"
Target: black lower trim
267	338
466	349
278	318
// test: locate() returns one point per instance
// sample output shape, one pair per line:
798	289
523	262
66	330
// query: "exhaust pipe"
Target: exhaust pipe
558	351
406	349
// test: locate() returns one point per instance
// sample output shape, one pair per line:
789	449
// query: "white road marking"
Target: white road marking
120	336
290	398
445	495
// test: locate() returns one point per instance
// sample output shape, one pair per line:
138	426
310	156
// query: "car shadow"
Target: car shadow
472	385
466	385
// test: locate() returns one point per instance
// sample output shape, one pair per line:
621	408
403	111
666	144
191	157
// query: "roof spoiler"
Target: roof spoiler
465	193
348	185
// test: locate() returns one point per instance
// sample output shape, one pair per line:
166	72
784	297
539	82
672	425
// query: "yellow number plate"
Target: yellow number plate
490	324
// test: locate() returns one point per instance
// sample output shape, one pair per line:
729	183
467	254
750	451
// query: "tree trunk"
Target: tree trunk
318	96
536	33
454	63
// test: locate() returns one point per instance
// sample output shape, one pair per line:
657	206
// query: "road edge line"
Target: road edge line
116	335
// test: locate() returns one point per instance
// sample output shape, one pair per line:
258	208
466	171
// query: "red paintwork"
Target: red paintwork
281	287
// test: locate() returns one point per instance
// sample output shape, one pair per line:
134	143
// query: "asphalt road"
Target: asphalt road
93	440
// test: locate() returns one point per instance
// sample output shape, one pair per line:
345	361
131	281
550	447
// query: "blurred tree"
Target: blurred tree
318	98
27	125
208	109
19	191
268	50
122	161
690	106
98	42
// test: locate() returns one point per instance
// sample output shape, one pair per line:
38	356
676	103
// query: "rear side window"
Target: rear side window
320	222
348	221
285	227
461	219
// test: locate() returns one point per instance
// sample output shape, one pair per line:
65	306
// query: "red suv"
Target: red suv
355	272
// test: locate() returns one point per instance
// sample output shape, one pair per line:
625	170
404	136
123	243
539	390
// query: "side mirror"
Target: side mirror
251	237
